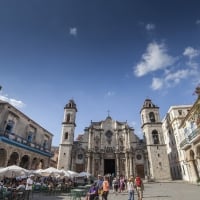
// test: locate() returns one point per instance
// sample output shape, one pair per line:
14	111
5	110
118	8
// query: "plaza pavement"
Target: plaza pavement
153	191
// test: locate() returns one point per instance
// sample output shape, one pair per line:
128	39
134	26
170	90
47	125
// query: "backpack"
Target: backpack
138	182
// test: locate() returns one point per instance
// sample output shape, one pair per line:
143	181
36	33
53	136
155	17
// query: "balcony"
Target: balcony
194	136
16	140
185	144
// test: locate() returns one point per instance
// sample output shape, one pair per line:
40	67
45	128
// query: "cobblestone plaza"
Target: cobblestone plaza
153	191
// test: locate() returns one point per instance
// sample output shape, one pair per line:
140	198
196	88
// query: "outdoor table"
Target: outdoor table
88	186
77	193
82	187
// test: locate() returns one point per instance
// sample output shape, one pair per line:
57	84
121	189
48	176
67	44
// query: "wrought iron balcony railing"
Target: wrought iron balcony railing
20	140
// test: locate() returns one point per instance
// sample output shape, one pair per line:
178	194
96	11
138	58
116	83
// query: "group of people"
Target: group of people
135	184
102	186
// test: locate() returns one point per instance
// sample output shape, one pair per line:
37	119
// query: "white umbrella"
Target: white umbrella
72	173
37	172
13	171
82	174
65	173
51	171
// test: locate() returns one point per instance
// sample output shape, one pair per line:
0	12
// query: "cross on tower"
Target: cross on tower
108	113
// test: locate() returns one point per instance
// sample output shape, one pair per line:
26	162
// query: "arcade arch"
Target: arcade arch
3	156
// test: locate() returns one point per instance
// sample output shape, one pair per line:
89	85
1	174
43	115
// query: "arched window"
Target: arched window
66	135
10	126
152	117
68	117
155	137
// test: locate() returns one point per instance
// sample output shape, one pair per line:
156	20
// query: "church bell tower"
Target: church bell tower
67	136
157	153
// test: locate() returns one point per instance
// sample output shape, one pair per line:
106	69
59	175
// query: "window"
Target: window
80	156
45	144
180	112
152	117
9	126
155	137
139	157
30	137
68	117
66	135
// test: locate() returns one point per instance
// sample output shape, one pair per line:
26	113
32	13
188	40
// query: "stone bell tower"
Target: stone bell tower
67	136
157	153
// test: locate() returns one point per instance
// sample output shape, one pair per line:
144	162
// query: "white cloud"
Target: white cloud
191	52
73	31
14	102
198	21
171	79
155	58
150	27
157	83
177	76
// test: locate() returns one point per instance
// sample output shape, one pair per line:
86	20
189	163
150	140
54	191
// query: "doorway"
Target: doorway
140	171
109	166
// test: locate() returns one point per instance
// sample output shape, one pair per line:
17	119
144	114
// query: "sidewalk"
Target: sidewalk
153	191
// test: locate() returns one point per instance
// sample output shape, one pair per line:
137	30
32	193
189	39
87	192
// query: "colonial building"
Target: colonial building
23	142
173	137
190	143
112	147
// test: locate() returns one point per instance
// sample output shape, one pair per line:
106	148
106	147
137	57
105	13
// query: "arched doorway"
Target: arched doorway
24	162
34	164
41	164
109	166
3	155
13	160
194	164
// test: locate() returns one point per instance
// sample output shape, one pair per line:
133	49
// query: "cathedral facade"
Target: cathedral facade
112	147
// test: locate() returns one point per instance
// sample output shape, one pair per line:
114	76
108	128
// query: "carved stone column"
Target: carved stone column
89	139
118	166
126	164
147	166
131	164
89	163
101	139
117	139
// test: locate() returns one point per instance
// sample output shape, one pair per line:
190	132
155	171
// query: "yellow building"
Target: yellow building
190	127
23	142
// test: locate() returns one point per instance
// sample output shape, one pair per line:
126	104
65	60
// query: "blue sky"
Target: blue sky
105	54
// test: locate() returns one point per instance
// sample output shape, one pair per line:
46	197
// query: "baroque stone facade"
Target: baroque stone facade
23	142
112	147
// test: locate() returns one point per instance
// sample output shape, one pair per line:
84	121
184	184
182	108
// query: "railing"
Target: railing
187	141
184	143
24	141
194	133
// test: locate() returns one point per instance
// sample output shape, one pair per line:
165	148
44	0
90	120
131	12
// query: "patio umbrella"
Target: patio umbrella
65	173
82	174
13	171
51	171
72	173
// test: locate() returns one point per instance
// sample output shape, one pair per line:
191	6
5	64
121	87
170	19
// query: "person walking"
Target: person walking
99	184
106	188
130	189
139	187
115	185
29	187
